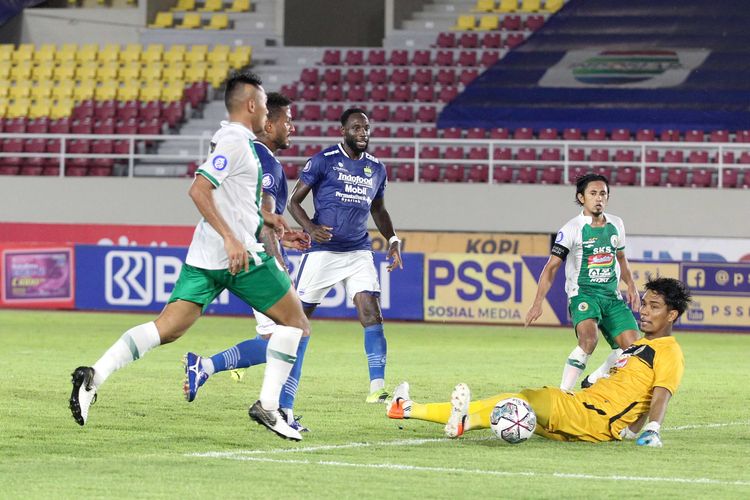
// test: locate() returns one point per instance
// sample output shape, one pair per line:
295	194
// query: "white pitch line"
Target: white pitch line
444	470
706	426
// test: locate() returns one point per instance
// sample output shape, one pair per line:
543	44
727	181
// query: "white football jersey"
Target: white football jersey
235	171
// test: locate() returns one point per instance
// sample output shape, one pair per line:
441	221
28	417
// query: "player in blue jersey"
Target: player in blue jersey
348	186
275	136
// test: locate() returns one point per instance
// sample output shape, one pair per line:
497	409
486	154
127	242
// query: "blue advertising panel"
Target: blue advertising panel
142	279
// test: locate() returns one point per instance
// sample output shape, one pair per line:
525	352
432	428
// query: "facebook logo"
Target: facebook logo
696	278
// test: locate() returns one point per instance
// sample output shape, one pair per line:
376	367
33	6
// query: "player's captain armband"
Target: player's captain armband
559	251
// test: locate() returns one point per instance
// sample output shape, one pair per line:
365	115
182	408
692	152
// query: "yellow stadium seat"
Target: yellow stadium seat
218	22
464	23
239	6
63	89
84	90
484	6
553	5
192	20
131	53
216	74
5	70
3	108
24	52
21	70
173	73
129	91
21	90
488	23
110	53
64	71
4	88
106	91
218	54
212	6
196	54
151	91
108	72
87	52
507	6
6	52
18	108
86	71
152	72
66	52
172	92
174	53
184	5
163	20
531	5
42	71
62	108
42	90
240	56
196	72
45	53
131	71
40	108
153	53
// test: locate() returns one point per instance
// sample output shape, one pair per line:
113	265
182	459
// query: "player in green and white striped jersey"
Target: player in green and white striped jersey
592	245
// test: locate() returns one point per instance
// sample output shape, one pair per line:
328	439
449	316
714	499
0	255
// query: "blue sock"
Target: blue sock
376	350
289	391
248	353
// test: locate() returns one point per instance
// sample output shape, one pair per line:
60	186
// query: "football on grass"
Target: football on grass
513	420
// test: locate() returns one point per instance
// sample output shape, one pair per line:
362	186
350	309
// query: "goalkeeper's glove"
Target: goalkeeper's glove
650	436
626	433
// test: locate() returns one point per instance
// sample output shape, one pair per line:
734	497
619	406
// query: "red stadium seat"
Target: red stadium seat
333	93
502	154
624	155
291	171
383	151
669	135
377	75
572	134
478	173
421	58
454	173
653	176
59	126
427	132
467	58
427	114
149	127
405	132
405	152
429	173
446	40
124	110
425	93
376	57
423	76
523	134
694	136
37	126
400	76
310	76
333	112
744	158
534	22
452	133
310	93
8	170
514	40
355	76
674	157
576	154
701	177
444	58
356	93
596	134
550	154
447	94
468	41
744	181
30	170
354	58
719	136
82	126
575	172
379	93
729	177
478	153
401	93
468	75
698	157
332	76
511	23
149	110
332	57
676	177
311	150
742	136
405	172
289	90
620	134
381	131
548	134
499	133
492	40
399	58
333	131
626	176
312	131
34	146
75	147
727	157
292	150
429	152
454	153
488	58
599	155
380	113
551	175
502	175
476	133
311	112
84	109
446	76
645	135
527	175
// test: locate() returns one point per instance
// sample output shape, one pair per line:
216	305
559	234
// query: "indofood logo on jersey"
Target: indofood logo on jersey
624	68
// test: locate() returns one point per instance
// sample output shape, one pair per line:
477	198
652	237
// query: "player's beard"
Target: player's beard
352	143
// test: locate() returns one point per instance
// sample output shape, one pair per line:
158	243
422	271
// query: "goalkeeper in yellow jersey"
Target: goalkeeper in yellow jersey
637	392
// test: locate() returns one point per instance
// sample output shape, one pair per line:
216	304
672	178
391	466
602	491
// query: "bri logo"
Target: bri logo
137	278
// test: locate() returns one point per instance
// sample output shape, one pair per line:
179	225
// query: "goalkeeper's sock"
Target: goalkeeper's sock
289	391
574	367
479	411
280	357
376	349
245	354
133	344
603	370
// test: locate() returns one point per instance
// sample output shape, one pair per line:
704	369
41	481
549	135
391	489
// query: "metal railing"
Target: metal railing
196	147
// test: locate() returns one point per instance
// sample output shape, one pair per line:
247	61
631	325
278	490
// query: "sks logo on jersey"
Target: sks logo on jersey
219	162
600	260
137	278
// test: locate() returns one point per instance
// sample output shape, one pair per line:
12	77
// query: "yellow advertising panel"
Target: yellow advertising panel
474	243
709	311
486	289
643	271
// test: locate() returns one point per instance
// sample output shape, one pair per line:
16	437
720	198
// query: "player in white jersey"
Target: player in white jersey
593	247
348	186
225	254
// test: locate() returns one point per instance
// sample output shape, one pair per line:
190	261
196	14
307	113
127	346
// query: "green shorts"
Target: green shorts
611	314
260	287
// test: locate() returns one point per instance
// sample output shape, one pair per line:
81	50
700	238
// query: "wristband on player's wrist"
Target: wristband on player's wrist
393	239
651	426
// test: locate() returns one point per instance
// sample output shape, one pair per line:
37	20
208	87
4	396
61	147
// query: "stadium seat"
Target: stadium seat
454	173
511	23
701	177
531	5
719	136
489	22
423	76
426	114
548	134
488	58
620	134
478	153
405	132
309	76
404	114
331	76
506	6
380	131
653	176
356	93
527	175
674	157
401	93
551	175
476	133
446	40
468	40
377	76
698	157
446	76
533	23
514	40
354	58
484	6
355	76
676	177
444	58
310	93
502	154
380	113
447	94
191	20
742	136
376	57
464	22
523	134
499	133
218	22
492	40
400	76
333	131
312	131
645	135
429	152
478	173
429	173
502	175
333	112
405	152
36	126
82	126
452	133
405	172
669	135
572	134
399	58
453	153
467	58
421	58
427	132
729	177
596	134
239	6
694	136
332	57
379	93
626	176
333	93
553	5
382	152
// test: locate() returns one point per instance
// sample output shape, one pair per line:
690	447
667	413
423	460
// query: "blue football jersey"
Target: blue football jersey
343	190
274	183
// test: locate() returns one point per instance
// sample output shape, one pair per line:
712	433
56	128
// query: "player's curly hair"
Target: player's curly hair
349	112
583	180
676	295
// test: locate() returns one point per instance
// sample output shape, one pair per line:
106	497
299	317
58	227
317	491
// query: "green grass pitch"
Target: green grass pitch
144	441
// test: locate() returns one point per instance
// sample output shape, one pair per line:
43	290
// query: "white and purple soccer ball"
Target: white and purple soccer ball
513	420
